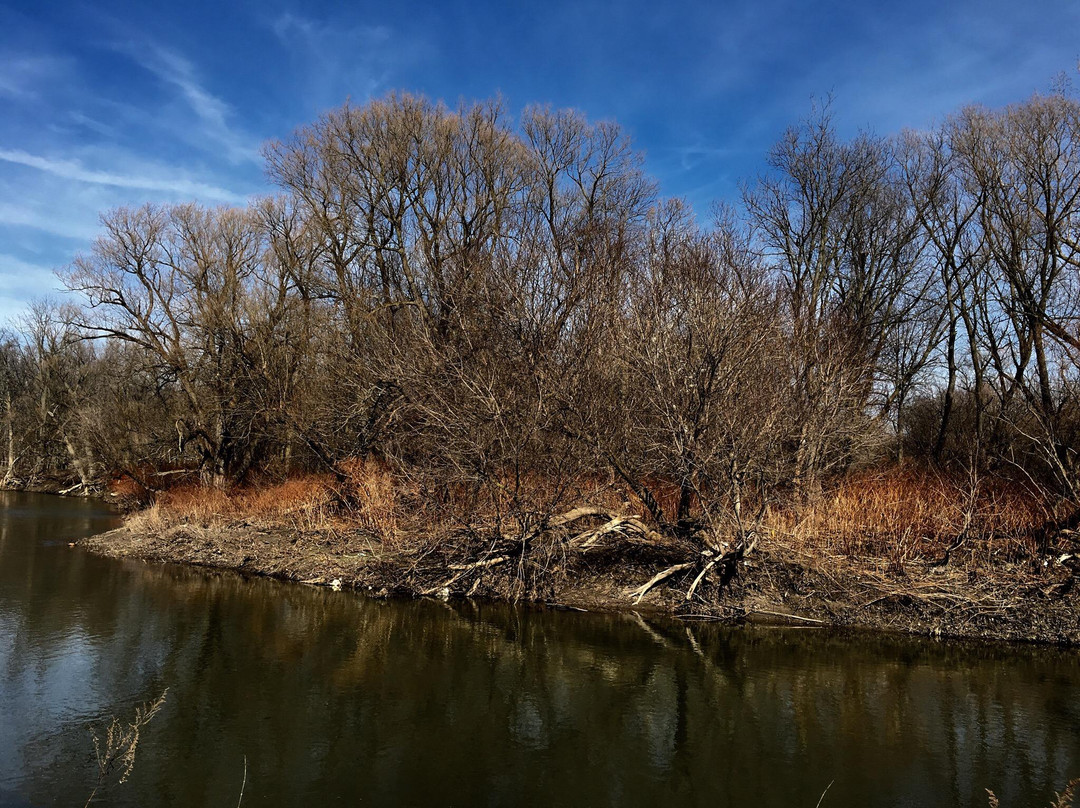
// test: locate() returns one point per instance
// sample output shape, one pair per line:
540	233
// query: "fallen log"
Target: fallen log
624	525
491	562
643	590
464	569
700	575
787	616
579	513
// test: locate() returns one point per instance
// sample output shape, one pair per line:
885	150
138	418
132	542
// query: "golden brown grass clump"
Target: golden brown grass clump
906	513
888	519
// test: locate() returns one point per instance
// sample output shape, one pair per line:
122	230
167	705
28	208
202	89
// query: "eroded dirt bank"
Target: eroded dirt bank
772	583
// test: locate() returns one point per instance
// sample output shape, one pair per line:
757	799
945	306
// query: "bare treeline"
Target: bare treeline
507	314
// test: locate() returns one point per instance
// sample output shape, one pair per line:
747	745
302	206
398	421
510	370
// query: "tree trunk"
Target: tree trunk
950	392
9	475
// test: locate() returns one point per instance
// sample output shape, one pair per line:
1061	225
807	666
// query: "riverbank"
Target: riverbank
63	486
776	581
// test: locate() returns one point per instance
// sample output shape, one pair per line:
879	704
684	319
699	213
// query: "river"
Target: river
298	696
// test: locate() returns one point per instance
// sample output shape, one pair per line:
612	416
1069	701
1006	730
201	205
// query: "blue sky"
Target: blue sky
105	103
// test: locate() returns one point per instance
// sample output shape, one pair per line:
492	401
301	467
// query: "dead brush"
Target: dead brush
115	747
309	502
194	503
128	493
911	514
149	520
375	497
902	552
1066	799
870	515
306	503
520	502
510	506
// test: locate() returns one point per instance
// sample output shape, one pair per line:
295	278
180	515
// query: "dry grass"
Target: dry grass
114	749
888	518
307	503
377	499
1066	799
907	513
370	498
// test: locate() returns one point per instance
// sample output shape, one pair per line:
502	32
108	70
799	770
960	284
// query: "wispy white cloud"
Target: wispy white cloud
77	225
72	170
21	282
312	33
92	124
72	148
339	60
20	75
18	276
212	113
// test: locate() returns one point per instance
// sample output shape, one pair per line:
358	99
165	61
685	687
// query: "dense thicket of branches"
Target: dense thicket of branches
507	310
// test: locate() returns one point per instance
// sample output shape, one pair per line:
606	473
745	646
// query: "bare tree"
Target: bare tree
1025	163
845	243
193	289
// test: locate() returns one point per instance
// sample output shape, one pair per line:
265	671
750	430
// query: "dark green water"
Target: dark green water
336	700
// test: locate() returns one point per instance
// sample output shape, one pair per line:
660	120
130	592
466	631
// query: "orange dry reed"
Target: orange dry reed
897	515
909	512
308	501
369	498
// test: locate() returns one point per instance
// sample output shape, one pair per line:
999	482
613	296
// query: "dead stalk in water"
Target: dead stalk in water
115	749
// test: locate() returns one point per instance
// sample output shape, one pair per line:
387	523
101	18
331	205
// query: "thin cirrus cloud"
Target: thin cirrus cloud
211	113
20	276
334	59
72	170
22	280
79	142
74	224
20	74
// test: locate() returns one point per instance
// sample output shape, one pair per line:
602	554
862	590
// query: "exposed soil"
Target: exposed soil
61	485
1027	602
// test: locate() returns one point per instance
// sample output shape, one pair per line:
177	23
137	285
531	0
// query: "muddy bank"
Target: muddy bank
771	584
60	486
